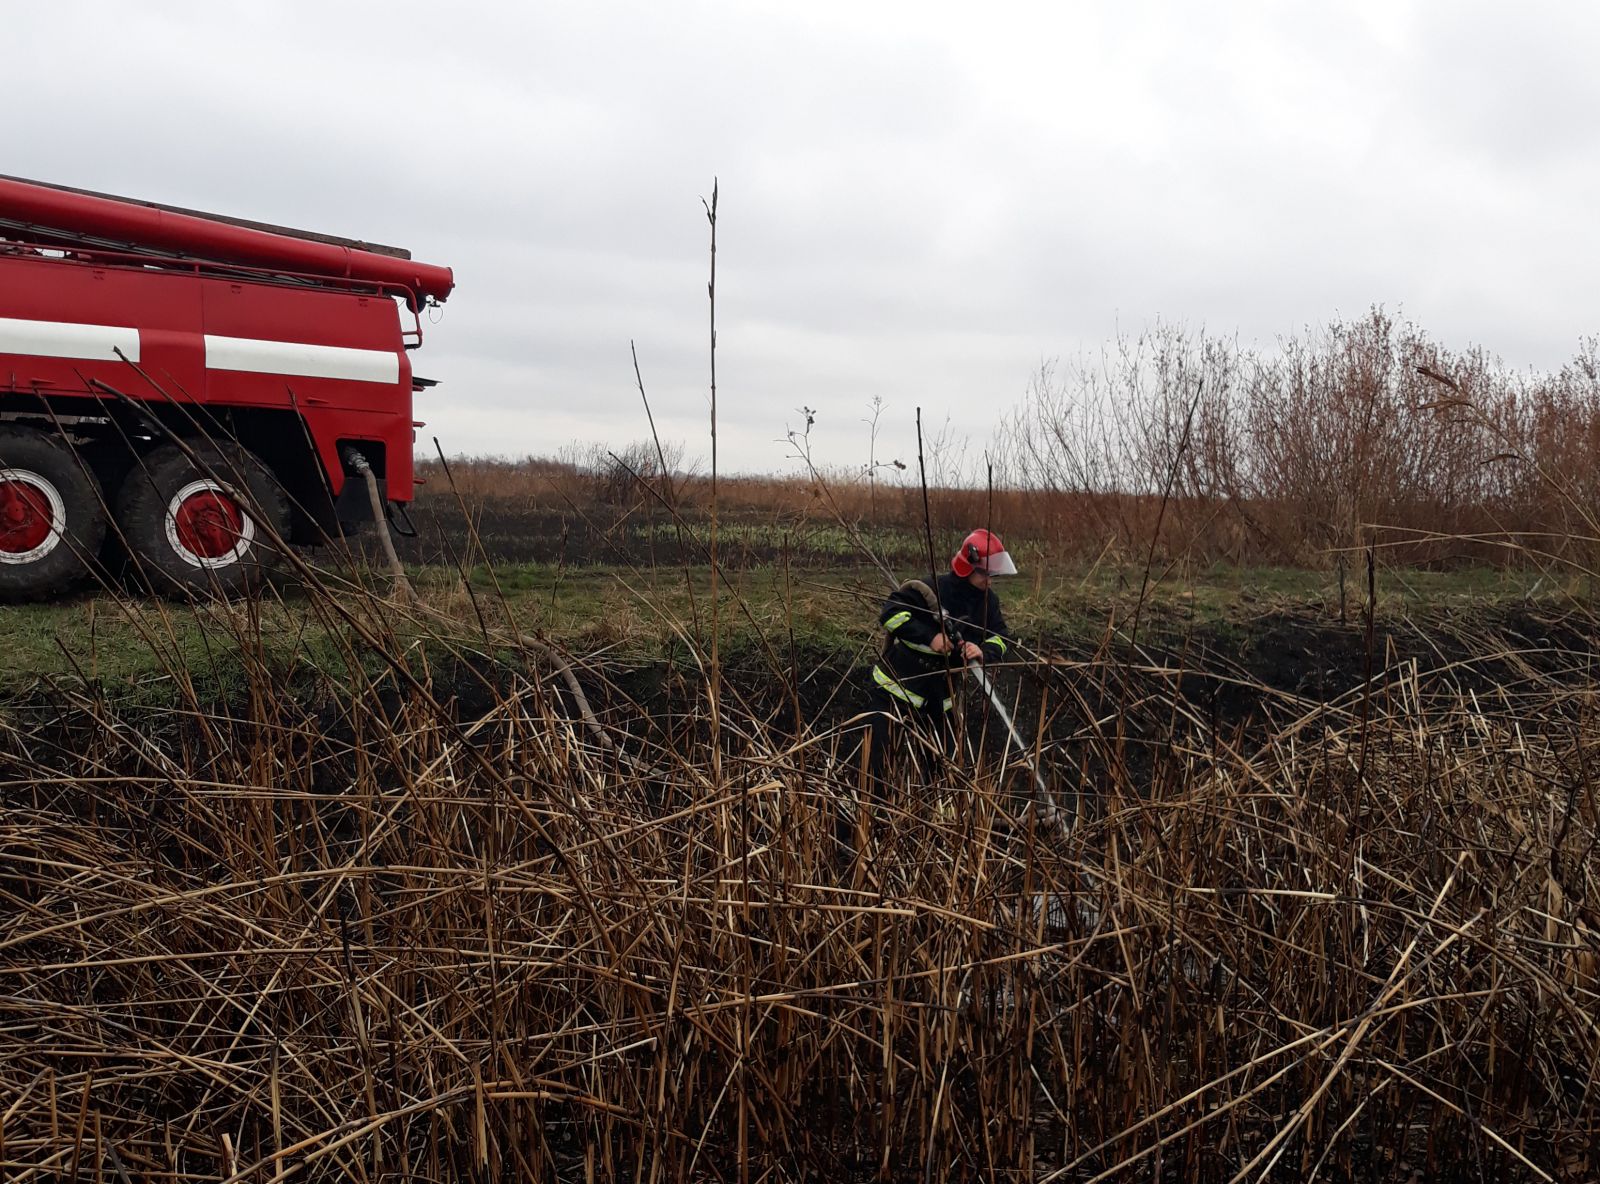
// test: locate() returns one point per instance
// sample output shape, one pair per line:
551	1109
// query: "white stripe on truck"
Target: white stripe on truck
60	339
300	360
100	343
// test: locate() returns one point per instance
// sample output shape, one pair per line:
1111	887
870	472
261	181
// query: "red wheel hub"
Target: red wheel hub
209	524
25	517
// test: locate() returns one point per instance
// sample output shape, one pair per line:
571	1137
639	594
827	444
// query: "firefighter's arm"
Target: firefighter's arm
911	623
997	641
961	634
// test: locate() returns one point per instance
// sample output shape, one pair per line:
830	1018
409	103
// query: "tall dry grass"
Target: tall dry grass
1331	440
402	918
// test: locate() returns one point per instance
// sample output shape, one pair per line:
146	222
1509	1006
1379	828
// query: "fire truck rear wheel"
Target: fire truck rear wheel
52	516
209	528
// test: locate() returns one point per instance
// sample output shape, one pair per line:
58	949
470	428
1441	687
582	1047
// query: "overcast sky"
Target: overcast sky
919	201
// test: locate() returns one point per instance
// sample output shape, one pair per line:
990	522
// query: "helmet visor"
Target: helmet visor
999	564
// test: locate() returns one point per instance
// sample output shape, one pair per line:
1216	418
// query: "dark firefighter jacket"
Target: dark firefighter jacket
909	670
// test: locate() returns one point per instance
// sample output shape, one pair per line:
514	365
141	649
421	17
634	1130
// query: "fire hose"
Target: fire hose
1048	813
1046	809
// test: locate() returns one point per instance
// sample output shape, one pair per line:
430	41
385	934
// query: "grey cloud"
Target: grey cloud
919	201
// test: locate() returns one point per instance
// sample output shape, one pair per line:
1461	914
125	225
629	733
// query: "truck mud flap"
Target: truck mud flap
353	509
400	520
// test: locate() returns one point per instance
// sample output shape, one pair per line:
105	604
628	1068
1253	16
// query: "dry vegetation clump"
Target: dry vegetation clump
408	920
1332	440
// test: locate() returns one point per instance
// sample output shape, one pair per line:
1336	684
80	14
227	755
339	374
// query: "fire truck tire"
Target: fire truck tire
212	528
52	516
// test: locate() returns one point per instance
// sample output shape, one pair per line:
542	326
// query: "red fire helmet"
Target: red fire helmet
982	551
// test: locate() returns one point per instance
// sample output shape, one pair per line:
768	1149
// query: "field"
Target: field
340	886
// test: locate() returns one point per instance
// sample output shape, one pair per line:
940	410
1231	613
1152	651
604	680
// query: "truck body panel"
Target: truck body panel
218	312
336	358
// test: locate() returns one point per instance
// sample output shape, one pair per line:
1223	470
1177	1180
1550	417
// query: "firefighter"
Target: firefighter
914	681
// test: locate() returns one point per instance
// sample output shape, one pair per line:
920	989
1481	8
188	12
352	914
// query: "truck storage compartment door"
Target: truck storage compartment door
336	358
63	324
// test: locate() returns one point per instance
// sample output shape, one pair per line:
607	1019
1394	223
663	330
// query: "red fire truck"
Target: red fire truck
187	391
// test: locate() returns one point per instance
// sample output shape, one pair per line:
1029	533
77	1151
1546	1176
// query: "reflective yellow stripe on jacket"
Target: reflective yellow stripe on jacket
900	692
899	619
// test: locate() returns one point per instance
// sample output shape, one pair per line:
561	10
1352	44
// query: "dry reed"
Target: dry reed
409	921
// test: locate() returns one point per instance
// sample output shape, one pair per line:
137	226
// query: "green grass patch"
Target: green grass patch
142	645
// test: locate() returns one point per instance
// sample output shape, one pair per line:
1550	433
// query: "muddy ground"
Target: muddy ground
513	530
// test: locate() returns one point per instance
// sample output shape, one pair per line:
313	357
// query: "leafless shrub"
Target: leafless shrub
613	474
1303	453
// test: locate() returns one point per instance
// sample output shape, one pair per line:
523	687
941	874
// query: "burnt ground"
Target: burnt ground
1192	678
1219	683
1187	684
518	530
1146	712
1243	671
